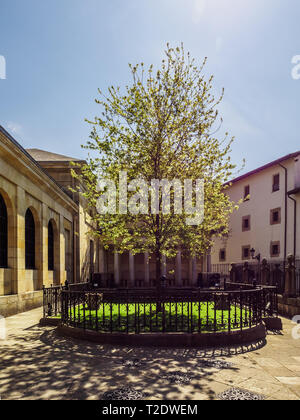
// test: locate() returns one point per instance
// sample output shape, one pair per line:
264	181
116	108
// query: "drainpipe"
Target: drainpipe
286	211
295	223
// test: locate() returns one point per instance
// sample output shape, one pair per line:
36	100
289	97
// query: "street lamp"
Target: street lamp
257	257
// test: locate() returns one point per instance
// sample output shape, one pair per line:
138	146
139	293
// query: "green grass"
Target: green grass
201	316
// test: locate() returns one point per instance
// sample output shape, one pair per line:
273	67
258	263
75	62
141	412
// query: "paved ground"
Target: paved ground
37	364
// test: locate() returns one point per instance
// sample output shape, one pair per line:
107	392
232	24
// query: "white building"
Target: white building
268	221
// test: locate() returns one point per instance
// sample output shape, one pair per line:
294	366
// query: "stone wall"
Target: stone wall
13	304
289	307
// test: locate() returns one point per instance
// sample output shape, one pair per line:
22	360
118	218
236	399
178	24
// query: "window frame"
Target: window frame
30	242
247	195
223	250
274	189
246	229
3	234
243	252
272	245
50	246
272	212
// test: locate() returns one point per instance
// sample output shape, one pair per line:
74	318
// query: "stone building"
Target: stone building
43	227
267	221
45	233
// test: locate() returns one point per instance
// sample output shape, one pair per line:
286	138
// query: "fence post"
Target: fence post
246	273
290	278
233	273
265	273
278	279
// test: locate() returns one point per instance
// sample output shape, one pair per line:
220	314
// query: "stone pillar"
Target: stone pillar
190	271
117	268
209	263
265	273
233	273
290	277
131	270
62	249
246	273
194	271
278	280
164	266
18	285
101	260
44	250
178	269
147	269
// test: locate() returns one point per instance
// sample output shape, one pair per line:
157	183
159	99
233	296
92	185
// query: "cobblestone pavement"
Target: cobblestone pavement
35	363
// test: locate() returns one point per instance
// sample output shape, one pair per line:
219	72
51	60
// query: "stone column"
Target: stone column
20	273
190	271
265	273
209	263
178	269
233	273
62	250
164	265
117	268
131	270
147	269
194	271
44	250
246	273
290	278
101	260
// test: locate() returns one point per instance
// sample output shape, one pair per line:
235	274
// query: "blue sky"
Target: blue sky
58	52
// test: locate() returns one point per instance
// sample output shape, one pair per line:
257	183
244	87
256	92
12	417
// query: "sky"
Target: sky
59	52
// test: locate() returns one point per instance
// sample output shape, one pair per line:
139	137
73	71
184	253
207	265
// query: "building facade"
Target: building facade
268	220
43	228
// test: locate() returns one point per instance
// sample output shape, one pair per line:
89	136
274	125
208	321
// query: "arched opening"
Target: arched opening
29	241
3	234
50	246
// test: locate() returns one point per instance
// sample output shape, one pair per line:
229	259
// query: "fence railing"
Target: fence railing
194	312
275	277
52	297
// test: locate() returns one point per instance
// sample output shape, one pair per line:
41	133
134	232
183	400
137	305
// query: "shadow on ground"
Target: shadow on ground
42	365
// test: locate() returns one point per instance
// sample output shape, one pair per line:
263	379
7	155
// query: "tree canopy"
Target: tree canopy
163	126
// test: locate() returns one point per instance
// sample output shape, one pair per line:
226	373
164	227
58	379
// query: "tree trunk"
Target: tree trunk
158	281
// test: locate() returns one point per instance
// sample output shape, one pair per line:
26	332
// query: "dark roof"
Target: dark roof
262	168
44	156
294	191
10	137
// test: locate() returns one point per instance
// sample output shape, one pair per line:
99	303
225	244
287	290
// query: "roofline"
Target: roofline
17	144
61	162
262	168
294	191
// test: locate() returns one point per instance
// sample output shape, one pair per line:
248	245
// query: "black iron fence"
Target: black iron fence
194	311
275	274
52	297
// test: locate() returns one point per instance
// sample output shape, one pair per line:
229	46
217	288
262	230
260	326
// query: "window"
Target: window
247	193
246	223
275	217
275	249
29	241
276	182
222	255
246	252
50	247
3	233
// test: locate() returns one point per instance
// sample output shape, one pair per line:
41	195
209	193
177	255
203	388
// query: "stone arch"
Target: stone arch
9	285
